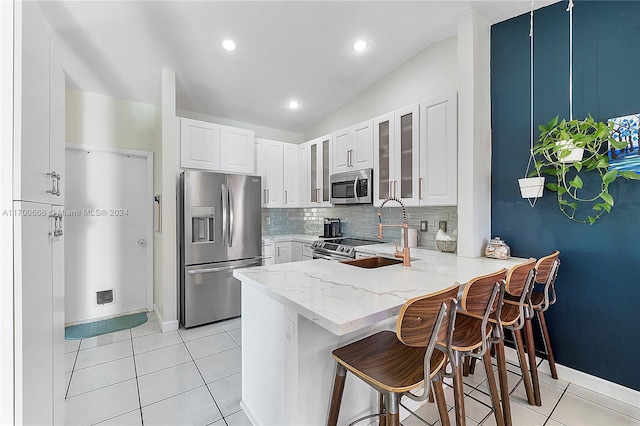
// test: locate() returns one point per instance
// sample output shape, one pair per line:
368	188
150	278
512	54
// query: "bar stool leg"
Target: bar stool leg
458	390
493	389
531	350
382	418
440	401
393	409
336	396
504	384
547	344
524	368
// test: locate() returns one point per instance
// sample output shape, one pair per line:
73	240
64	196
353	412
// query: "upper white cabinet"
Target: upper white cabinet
396	156
199	144
304	180
319	155
237	150
209	146
353	148
270	166
291	175
439	151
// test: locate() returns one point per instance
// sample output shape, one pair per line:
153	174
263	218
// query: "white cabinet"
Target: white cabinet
283	252
36	116
237	150
353	148
307	252
209	146
268	253
270	157
396	156
199	144
304	193
319	155
439	151
291	176
296	251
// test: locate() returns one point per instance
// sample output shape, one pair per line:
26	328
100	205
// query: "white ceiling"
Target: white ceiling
285	50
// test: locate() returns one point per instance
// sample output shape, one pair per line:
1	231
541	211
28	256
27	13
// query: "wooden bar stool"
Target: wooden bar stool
482	297
396	363
540	300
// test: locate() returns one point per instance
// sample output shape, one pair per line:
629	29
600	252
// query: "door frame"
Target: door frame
148	156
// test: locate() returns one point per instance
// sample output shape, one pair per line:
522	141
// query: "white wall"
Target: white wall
100	120
431	73
261	132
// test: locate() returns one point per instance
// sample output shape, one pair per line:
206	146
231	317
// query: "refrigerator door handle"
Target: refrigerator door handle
224	213
252	262
230	217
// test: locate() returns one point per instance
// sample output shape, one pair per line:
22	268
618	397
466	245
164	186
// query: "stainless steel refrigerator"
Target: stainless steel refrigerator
220	226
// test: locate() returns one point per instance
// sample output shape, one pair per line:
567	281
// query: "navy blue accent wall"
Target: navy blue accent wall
595	325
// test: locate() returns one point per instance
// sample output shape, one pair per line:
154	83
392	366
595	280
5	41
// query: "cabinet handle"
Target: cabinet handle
420	188
286	201
264	196
268	196
350	158
395	188
390	189
278	249
55	183
319	195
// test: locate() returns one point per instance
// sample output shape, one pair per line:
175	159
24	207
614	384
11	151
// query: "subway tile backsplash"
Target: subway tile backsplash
359	221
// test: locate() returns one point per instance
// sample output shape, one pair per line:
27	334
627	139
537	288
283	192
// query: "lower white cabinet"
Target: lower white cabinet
296	251
39	315
284	252
268	254
307	253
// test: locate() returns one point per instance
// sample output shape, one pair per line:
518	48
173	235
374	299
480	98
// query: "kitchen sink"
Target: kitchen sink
372	262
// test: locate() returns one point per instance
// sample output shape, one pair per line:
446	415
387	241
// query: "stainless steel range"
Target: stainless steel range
338	250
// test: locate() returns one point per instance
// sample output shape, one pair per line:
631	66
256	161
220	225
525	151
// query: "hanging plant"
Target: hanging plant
551	152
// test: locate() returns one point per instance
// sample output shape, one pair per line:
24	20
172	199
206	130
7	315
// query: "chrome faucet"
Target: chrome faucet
405	254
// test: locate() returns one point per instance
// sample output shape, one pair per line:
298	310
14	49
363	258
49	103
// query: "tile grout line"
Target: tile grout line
135	371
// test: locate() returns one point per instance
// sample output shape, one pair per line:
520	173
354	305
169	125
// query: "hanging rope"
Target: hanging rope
570	10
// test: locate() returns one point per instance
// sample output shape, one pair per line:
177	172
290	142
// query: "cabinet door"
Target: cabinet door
361	156
324	169
296	251
237	150
406	155
34	314
439	151
261	169
384	171
291	173
304	183
342	150
283	252
58	295
199	145
268	254
274	152
32	178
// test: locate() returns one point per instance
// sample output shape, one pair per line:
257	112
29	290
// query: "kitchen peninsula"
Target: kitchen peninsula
295	314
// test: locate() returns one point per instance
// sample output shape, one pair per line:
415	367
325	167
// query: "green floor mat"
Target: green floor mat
91	329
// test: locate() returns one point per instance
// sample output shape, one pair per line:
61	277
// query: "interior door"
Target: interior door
106	228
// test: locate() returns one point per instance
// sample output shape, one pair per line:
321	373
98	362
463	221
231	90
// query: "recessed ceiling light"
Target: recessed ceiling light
360	45
229	45
293	105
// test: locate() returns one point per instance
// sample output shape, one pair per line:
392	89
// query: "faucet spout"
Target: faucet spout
405	254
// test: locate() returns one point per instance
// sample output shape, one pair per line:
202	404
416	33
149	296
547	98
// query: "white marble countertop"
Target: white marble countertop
344	298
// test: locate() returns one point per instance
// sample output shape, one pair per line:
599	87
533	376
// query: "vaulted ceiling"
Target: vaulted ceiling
285	50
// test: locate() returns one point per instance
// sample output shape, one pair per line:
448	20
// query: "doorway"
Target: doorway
108	232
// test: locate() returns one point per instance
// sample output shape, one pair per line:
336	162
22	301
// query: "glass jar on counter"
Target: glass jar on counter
497	249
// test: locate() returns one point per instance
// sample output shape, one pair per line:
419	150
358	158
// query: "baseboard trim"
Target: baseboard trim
595	384
165	326
248	413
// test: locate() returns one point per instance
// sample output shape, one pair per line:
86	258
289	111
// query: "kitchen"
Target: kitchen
530	241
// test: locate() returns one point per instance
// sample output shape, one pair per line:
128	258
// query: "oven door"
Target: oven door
352	187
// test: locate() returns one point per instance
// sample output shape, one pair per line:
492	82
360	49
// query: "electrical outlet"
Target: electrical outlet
442	225
423	226
267	221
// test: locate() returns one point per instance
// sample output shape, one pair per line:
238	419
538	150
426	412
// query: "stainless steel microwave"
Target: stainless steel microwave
353	187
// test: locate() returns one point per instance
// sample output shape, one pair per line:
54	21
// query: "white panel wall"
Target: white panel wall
428	74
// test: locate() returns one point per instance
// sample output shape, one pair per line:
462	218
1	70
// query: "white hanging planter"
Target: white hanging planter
532	187
575	154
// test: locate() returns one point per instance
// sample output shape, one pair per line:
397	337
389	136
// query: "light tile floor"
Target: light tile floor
193	377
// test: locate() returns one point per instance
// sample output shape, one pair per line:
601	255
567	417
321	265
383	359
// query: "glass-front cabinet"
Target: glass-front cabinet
396	156
319	154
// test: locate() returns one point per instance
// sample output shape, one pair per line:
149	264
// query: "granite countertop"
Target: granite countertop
344	298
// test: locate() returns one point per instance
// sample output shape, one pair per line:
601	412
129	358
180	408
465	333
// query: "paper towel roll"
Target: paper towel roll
413	237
